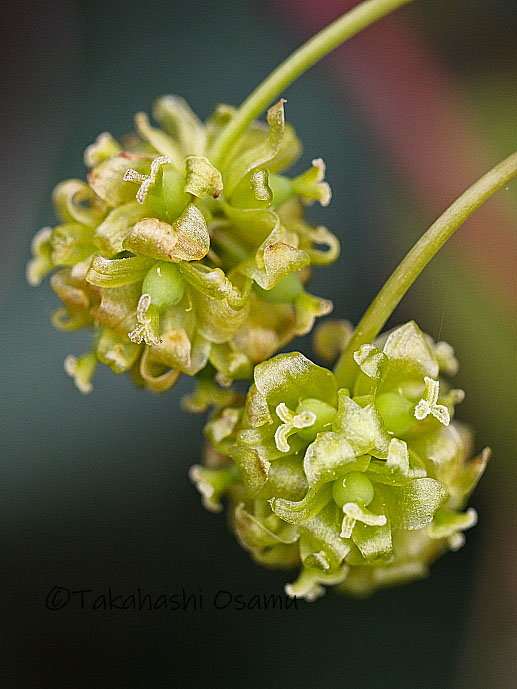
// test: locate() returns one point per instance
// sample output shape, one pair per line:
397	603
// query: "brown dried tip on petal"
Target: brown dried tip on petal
331	338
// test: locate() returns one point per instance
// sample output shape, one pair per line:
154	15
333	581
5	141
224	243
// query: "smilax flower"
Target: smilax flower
359	488
180	266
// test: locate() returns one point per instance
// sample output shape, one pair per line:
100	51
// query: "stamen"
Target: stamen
143	332
291	423
354	513
428	404
145	180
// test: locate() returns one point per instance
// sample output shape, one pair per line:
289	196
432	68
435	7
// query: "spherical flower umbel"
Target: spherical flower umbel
181	267
360	488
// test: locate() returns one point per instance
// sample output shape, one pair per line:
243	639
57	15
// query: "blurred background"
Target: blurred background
94	489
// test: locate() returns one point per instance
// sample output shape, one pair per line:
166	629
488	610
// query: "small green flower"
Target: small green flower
196	266
360	488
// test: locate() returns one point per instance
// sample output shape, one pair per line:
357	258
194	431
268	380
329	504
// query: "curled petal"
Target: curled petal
82	370
41	262
321	535
74	201
117	310
310	185
104	146
159	140
178	120
307	308
254	533
212	484
68	320
308	584
213	283
466	479
156	377
260	154
448	523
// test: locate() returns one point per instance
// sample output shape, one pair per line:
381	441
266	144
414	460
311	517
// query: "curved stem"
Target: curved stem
415	261
300	61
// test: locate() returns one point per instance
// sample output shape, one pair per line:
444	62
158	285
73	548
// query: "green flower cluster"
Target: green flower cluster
361	488
180	267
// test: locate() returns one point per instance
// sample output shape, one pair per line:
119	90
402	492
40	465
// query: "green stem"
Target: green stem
299	62
415	261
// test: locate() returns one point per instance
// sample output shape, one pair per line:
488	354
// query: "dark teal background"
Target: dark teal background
94	490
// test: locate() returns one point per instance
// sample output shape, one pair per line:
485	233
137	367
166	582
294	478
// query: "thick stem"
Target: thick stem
415	261
299	62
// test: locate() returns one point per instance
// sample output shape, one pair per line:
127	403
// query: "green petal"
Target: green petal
221	428
253	469
253	533
361	426
110	234
217	320
213	283
107	178
74	293
276	258
307	585
330	456
297	512
286	480
212	484
321	535
203	179
468	476
71	243
118	308
117	351
374	542
408	349
371	361
105	272
412	506
230	362
157	379
289	378
186	239
448	522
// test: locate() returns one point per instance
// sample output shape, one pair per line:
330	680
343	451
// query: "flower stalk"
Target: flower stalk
300	61
416	260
